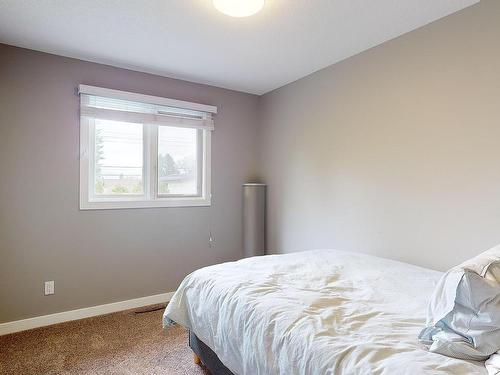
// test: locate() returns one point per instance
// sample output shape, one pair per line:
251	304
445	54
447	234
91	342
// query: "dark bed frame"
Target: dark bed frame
207	356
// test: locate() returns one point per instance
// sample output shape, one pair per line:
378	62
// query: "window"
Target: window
143	151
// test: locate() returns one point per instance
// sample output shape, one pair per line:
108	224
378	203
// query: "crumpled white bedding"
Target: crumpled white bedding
315	312
463	316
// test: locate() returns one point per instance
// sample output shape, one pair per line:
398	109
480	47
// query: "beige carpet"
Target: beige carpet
120	343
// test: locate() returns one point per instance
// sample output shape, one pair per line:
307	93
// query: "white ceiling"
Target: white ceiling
189	39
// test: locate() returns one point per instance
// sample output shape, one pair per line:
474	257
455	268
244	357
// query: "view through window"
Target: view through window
178	161
118	158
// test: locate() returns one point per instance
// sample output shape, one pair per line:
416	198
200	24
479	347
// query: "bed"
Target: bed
314	312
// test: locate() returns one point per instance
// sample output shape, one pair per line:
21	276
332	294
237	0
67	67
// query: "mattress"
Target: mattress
314	312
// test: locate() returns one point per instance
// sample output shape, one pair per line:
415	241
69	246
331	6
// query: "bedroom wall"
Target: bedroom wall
98	257
394	151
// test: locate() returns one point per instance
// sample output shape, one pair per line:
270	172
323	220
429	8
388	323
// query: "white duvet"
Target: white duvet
315	312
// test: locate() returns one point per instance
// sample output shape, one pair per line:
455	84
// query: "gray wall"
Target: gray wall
98	257
395	151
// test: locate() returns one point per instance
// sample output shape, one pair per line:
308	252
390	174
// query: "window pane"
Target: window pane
118	158
178	161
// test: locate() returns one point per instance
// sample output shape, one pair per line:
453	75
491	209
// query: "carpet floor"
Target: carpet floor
129	342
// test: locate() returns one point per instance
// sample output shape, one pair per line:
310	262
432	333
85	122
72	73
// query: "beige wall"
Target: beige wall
395	151
98	257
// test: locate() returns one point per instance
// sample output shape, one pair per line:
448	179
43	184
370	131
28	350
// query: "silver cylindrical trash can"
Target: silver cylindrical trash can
254	219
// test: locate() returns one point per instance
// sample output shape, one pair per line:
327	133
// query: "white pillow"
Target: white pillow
463	317
493	364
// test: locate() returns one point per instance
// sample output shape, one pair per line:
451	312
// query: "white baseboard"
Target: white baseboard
87	312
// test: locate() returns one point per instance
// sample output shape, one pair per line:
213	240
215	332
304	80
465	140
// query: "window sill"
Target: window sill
157	203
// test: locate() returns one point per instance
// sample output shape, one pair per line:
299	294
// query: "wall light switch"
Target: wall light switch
49	287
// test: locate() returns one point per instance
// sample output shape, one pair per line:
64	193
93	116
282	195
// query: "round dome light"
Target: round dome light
239	8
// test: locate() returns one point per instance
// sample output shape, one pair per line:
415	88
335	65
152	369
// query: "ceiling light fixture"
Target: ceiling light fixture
239	8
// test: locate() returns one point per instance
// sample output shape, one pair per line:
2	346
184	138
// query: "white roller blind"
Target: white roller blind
123	106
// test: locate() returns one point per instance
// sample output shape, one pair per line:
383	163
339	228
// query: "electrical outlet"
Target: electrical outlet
49	287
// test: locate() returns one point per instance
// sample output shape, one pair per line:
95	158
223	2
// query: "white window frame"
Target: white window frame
150	197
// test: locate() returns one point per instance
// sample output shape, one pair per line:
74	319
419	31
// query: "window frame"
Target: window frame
150	197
